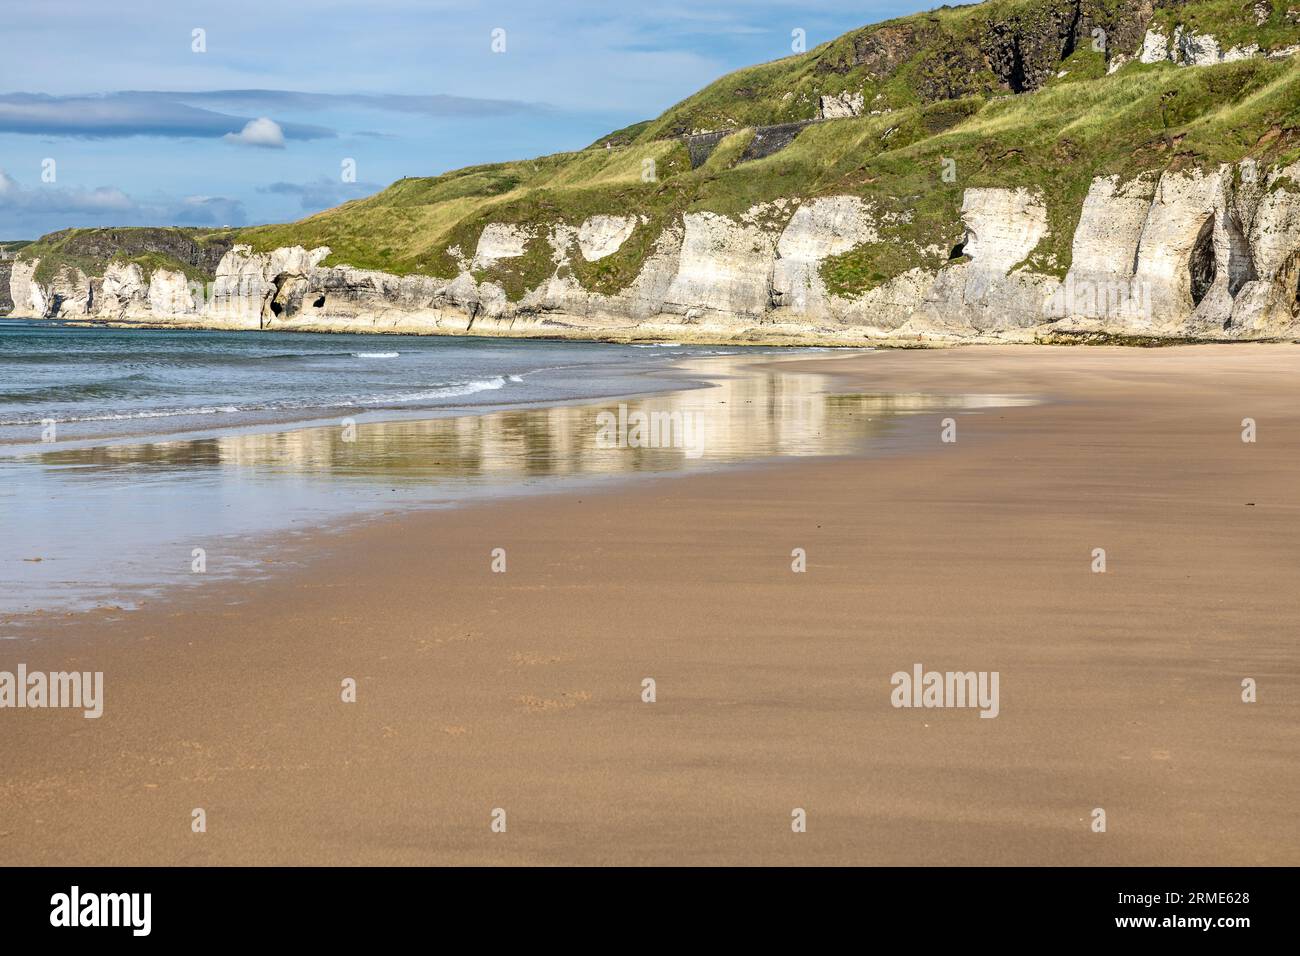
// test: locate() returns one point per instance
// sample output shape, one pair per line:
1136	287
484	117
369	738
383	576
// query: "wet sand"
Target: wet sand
522	690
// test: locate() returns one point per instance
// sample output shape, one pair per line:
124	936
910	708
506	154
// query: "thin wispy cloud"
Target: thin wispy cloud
432	104
322	193
175	114
123	114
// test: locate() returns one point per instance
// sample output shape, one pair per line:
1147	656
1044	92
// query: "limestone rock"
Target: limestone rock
1181	211
1155	47
1209	254
725	267
1002	226
840	105
1195	49
70	293
818	229
252	289
122	289
171	293
1190	48
23	290
1100	283
601	236
499	241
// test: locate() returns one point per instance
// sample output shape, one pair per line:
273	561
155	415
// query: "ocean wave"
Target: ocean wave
126	385
453	390
128	416
384	355
448	390
162	358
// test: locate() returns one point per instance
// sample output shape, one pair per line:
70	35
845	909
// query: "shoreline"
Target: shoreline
522	690
265	419
779	335
360	414
768	334
315	455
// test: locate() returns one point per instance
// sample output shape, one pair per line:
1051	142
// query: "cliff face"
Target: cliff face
1191	254
6	301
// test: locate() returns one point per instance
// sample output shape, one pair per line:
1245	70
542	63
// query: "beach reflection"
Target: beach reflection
749	413
113	525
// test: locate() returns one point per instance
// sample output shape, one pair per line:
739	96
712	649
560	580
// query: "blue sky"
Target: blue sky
144	130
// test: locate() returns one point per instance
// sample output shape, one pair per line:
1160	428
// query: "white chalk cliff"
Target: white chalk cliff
1183	255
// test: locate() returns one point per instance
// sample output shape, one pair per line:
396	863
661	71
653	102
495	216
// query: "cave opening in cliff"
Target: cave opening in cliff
276	308
1018	79
957	251
319	302
1009	66
1201	264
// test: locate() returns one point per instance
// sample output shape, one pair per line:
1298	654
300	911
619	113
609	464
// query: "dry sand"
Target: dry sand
522	690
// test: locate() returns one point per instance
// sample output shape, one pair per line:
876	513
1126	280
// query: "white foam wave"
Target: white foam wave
442	391
451	390
128	416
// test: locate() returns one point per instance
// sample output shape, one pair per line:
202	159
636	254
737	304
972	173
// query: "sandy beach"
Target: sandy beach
522	690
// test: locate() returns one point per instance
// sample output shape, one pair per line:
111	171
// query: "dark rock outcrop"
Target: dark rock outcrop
6	303
182	245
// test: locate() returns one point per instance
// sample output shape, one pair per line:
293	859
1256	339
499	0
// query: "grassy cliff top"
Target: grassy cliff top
984	49
933	86
1013	92
195	252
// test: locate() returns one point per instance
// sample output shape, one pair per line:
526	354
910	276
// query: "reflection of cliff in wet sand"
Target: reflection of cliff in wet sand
238	493
752	410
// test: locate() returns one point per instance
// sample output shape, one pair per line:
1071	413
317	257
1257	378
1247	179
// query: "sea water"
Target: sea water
134	461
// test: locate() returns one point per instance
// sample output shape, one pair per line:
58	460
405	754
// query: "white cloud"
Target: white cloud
262	132
32	211
123	114
51	199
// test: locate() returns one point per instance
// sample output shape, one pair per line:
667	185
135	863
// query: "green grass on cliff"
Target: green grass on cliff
1053	142
1007	93
92	250
933	103
1232	22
